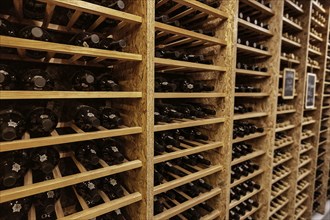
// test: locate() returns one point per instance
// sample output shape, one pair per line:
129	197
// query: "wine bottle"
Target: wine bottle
158	205
44	159
37	79
86	117
15	209
8	79
110	118
45	202
41	121
86	152
193	134
12	125
6	28
111	187
86	39
168	110
110	44
167	139
83	80
89	191
109	150
106	83
160	118
34	9
13	166
35	33
117	4
163	85
184	84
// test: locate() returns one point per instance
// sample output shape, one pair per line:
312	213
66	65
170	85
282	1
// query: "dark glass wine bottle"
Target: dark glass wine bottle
87	117
41	121
8	79
13	166
44	159
111	187
111	44
105	82
86	152
6	28
15	209
110	118
117	4
45	202
35	33
89	191
37	79
34	9
83	80
12	125
109	150
86	39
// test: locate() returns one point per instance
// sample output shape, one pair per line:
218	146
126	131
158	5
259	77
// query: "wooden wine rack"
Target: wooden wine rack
138	67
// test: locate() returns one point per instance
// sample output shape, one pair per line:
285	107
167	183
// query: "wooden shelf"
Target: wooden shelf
188	204
317	188
281	177
185	123
304	163
301	213
76	51
252	51
283	145
211	216
171	95
191	147
189	34
249	137
305	187
302	176
250	156
254	28
306	137
252	73
66	95
313	67
291	24
279	207
260	7
187	179
243	179
249	213
315	37
322	131
286	112
305	150
282	161
161	63
32	189
249	115
284	59
284	128
314	52
55	138
308	122
286	41
281	192
319	166
293	6
249	195
318	7
252	94
323	142
301	201
321	154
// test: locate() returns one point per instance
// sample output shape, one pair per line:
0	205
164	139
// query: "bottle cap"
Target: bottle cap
3	75
94	159
8	134
121	5
9	181
89	78
122	43
95	122
39	81
37	32
47	124
95	38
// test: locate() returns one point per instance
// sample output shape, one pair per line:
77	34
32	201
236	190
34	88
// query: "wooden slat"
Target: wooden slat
105	208
169	95
185	152
252	50
250	156
69	138
190	123
291	24
250	115
188	204
252	73
242	199
293	6
285	128
32	189
66	95
48	15
188	65
257	5
186	179
251	94
250	176
14	42
290	42
210	216
254	27
96	10
249	137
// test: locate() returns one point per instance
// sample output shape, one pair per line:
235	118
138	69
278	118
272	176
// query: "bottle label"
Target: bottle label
113	182
85	44
181	138
156	113
50	194
92	151
43	158
89	114
16	167
118	212
114	149
112	116
201	180
169	164
110	81
12	124
164	83
198	132
44	116
91	186
190	86
17	207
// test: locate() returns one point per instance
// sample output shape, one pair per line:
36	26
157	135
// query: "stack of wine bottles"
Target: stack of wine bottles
42	121
243	170
180	84
42	80
243	128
